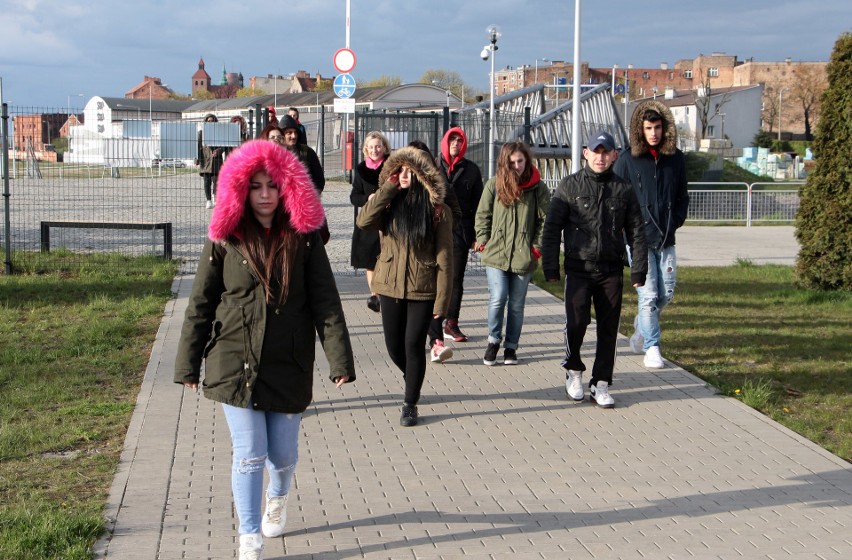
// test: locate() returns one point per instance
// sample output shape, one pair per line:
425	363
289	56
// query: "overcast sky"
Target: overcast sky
53	49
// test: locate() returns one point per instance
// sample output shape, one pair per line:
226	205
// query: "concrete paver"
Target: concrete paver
504	465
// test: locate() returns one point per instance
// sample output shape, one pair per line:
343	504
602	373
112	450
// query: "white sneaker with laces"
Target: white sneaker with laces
600	394
653	358
209	205
251	547
574	385
441	353
274	517
636	341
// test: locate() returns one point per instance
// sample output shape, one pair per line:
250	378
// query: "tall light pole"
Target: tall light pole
490	50
614	68
576	142
536	67
780	97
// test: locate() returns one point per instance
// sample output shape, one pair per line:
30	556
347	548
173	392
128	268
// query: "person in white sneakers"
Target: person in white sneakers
590	210
264	291
657	170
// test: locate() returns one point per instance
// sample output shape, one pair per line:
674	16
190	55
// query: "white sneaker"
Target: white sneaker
653	358
209	205
600	394
441	353
251	547
636	341
274	517
574	385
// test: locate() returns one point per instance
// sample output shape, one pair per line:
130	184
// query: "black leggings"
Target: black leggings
210	181
405	323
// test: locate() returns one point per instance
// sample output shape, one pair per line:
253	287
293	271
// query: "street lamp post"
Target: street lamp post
576	141
536	67
489	50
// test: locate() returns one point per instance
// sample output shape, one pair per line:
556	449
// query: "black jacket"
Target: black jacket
365	243
660	184
466	182
594	212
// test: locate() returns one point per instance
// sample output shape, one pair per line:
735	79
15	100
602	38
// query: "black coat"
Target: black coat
466	182
593	213
365	243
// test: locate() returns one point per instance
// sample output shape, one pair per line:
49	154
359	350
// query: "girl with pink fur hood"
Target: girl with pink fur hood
263	292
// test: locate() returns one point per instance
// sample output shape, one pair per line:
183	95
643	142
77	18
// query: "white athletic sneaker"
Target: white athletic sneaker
251	547
636	341
600	395
274	517
209	205
653	358
441	353
574	385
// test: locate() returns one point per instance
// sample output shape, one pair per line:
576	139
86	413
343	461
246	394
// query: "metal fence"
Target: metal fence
743	203
136	200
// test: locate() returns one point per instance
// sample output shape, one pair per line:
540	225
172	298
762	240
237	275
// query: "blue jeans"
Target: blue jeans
657	293
506	287
259	439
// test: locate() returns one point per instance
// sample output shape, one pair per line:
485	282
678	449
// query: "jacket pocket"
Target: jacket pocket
384	268
214	337
426	278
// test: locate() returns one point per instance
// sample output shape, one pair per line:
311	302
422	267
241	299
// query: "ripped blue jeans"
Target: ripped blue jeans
260	440
657	293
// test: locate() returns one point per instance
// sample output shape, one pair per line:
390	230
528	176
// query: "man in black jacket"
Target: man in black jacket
593	210
656	168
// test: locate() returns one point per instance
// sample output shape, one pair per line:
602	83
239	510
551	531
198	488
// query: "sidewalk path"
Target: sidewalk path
503	466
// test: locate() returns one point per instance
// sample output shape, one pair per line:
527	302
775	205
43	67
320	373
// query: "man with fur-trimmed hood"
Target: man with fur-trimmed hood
655	167
413	274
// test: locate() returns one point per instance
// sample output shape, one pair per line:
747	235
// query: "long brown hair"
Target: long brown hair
271	254
508	182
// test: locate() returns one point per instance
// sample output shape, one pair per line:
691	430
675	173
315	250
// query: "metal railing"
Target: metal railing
743	202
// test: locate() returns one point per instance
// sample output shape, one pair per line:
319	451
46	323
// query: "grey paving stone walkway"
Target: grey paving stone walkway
503	465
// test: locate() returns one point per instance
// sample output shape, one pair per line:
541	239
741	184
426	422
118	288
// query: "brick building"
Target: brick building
149	88
227	87
785	84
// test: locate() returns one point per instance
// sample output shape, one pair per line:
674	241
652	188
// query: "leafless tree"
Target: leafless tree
708	108
809	81
769	113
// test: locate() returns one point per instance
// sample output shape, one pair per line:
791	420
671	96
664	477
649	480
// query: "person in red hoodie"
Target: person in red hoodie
509	223
465	179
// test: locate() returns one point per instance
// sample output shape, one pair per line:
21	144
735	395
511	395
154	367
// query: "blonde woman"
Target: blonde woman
365	182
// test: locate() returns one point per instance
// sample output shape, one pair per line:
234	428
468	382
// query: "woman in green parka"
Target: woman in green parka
509	222
263	292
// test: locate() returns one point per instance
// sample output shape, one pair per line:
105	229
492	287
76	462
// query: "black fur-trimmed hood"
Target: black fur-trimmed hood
638	145
422	166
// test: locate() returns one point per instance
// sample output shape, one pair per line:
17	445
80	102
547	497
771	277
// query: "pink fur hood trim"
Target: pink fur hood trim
295	189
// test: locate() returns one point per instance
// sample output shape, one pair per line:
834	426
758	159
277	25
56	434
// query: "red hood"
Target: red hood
445	147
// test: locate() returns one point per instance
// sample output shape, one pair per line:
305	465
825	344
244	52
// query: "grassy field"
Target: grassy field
750	332
73	350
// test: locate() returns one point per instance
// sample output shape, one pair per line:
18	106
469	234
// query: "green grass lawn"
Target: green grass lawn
750	332
73	350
